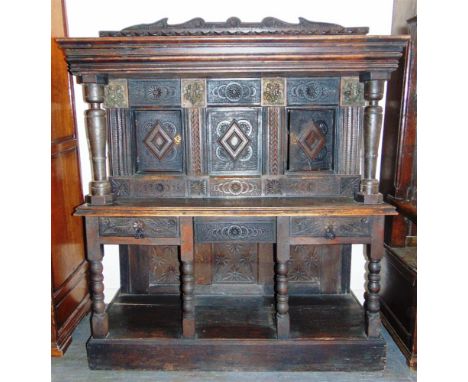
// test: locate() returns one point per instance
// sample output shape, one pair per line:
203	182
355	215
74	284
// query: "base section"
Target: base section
237	355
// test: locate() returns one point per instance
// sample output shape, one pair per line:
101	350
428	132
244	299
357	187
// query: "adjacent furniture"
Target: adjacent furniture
70	299
235	193
399	185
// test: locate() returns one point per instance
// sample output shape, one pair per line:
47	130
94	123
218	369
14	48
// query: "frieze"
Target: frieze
234	92
273	92
345	227
235	187
120	187
161	188
352	92
139	227
304	91
197	187
349	185
193	93
317	186
154	92
116	94
239	231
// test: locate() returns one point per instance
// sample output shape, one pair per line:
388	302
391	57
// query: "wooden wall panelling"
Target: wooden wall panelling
70	299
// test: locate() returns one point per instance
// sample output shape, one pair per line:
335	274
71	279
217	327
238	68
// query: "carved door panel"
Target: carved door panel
310	146
220	267
159	141
234	141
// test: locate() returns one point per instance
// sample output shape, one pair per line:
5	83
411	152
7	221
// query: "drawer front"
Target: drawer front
330	227
238	230
139	227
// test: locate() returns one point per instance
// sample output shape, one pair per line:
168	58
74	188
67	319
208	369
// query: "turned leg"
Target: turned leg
96	128
187	277
95	254
281	273
373	93
375	253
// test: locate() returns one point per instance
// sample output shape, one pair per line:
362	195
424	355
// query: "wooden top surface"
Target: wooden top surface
329	206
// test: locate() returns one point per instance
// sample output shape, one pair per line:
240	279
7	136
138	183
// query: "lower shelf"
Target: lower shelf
236	333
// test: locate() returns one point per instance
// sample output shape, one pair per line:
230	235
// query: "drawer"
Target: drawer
330	227
139	227
212	230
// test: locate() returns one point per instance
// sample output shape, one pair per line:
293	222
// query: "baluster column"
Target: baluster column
187	277
95	254
96	129
373	113
281	273
372	299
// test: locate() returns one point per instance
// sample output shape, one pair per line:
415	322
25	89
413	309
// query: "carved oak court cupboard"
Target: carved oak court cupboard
235	192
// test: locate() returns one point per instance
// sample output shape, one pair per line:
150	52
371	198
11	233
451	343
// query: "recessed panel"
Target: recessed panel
311	134
234	141
159	141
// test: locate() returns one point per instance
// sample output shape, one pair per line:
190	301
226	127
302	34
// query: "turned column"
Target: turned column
96	129
373	93
372	299
187	277
281	274
95	254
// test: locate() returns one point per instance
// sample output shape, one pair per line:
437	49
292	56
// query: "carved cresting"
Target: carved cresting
373	92
100	188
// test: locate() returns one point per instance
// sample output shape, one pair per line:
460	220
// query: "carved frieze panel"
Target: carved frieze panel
308	91
154	92
273	92
164	265
197	187
234	263
234	91
240	187
158	187
349	185
141	227
352	92
311	138
304	264
254	230
193	93
159	141
120	187
318	227
116	94
234	141
317	186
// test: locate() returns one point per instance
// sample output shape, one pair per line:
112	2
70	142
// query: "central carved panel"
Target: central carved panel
234	141
235	263
159	143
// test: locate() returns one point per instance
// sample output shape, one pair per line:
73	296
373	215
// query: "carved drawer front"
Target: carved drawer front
330	227
139	227
311	139
154	92
313	91
159	141
212	230
234	91
234	141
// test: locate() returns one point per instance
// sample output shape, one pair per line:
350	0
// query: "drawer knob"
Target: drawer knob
139	232
329	233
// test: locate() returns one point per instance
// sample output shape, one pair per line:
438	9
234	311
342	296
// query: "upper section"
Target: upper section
233	26
233	48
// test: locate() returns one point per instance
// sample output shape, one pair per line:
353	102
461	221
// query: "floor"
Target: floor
73	367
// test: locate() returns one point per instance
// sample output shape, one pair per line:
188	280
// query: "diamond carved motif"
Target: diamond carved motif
234	140
312	140
158	141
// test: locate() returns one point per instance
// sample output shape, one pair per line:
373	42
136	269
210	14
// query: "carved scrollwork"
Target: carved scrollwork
234	26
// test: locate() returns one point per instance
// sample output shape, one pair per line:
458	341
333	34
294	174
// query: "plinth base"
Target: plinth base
100	199
237	333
